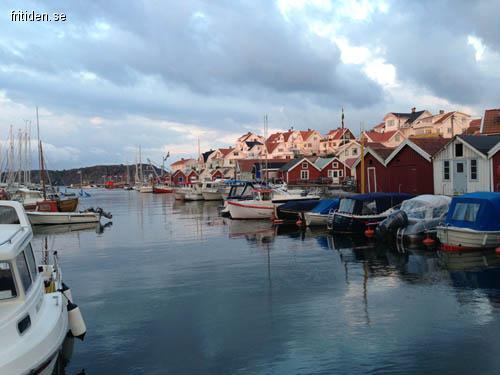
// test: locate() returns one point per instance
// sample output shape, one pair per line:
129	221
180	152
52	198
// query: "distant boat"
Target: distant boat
146	189
162	189
263	204
194	193
472	223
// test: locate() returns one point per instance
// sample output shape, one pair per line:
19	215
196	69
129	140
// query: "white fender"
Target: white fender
76	322
66	290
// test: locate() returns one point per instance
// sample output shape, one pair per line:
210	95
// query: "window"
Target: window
473	169
446	170
7	285
459	150
341	173
181	179
346	152
304	175
398	138
466	211
23	269
30	257
335	165
330	173
347	205
305	165
8	215
460	167
354	151
236	154
449	130
390	123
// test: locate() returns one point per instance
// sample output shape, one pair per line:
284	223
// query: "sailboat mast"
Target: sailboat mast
265	147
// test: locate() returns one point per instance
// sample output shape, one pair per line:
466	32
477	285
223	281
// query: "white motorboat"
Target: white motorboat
318	216
471	223
263	204
194	193
54	218
36	308
28	197
180	193
212	190
416	220
146	189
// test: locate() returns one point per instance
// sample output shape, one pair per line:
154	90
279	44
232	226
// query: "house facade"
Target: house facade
311	141
333	171
300	171
392	138
402	121
179	178
183	164
351	149
445	125
462	166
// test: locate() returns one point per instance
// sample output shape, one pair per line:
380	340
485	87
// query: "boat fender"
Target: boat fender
66	290
497	250
76	322
428	241
369	232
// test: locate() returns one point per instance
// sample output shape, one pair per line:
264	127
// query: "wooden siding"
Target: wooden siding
409	172
376	176
293	176
495	163
445	187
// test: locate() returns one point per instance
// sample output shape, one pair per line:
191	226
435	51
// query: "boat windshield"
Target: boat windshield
369	208
347	205
466	211
7	285
8	215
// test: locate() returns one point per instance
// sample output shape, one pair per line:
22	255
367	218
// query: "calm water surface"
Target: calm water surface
173	288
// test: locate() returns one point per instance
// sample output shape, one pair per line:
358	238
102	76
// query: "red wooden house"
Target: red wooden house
300	171
494	156
410	166
179	178
376	174
192	177
332	170
217	174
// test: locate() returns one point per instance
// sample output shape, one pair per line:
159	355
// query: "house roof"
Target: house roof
177	172
426	148
182	161
491	122
271	146
253	144
337	133
378	151
474	127
380	137
273	137
294	162
244	137
206	154
379	126
246	165
306	133
411	116
226	151
481	143
321	163
287	135
444	117
350	162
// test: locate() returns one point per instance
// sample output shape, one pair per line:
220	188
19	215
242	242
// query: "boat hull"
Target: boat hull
347	223
162	190
193	197
465	239
146	189
50	218
212	195
315	220
251	209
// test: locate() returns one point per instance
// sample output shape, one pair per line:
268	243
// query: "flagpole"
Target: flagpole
343	139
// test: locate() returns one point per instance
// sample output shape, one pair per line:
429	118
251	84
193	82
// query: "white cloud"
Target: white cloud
478	46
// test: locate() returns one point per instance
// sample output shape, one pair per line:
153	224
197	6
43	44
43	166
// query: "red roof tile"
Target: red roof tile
350	161
430	145
306	134
380	137
225	151
491	122
337	133
474	127
182	161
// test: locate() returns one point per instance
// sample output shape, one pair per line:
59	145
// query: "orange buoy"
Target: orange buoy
369	232
299	223
497	250
428	241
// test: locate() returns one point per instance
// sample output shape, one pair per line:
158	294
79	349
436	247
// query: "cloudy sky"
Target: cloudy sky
161	74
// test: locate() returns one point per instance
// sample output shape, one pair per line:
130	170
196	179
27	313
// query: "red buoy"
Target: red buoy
428	241
369	232
299	223
497	250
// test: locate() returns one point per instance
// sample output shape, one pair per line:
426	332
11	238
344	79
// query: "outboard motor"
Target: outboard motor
387	229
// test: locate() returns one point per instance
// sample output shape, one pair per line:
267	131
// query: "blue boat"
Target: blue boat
318	216
472	223
360	212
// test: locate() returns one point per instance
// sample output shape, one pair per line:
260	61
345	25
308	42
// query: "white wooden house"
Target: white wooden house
462	165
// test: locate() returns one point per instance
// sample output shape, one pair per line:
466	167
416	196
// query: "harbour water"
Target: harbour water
172	287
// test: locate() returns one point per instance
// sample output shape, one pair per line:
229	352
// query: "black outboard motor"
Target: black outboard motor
387	229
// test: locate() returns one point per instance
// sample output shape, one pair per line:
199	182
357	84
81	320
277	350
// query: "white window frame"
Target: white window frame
305	165
304	174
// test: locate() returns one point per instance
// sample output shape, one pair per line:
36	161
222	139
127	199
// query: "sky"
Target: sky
161	74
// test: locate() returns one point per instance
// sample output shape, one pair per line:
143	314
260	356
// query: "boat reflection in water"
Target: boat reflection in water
66	228
478	270
65	356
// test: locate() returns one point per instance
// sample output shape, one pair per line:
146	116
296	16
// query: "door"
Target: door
335	177
459	176
372	179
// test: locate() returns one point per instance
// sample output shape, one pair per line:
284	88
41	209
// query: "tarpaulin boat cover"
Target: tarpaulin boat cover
325	205
380	202
479	211
298	206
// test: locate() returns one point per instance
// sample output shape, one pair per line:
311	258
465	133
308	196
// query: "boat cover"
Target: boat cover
298	206
426	206
379	202
479	211
325	205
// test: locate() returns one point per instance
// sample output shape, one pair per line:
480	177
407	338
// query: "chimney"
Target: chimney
441	111
413	110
